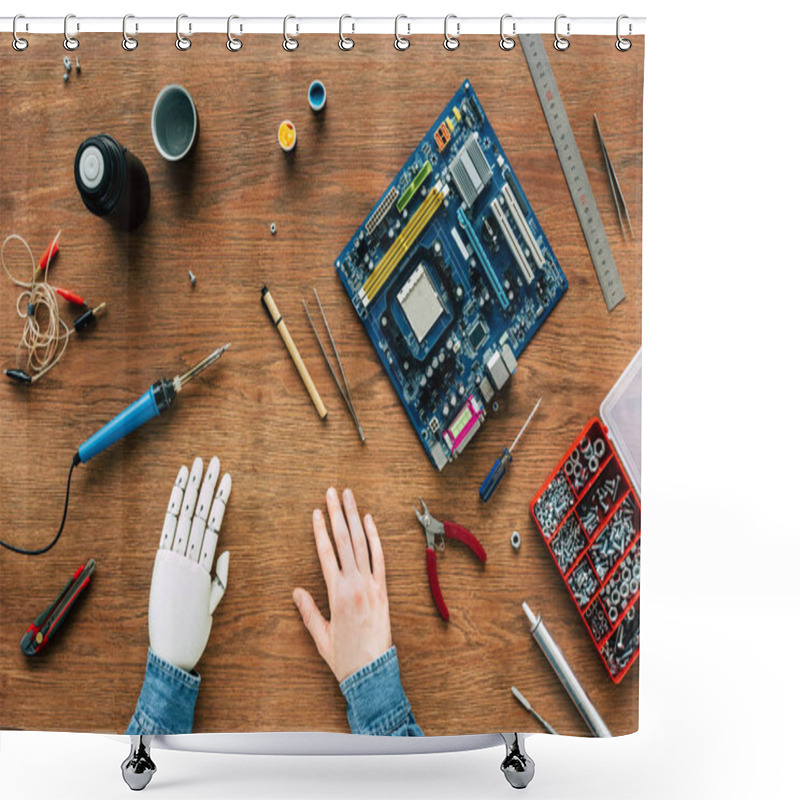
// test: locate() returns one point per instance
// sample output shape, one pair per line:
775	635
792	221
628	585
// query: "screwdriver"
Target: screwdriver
492	480
159	397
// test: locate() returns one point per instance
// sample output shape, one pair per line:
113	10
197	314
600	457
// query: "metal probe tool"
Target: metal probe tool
552	652
492	480
159	397
528	707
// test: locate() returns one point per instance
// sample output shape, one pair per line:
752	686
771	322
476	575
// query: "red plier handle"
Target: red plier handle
452	531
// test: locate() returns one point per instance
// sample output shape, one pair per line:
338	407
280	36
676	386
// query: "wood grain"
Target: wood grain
212	213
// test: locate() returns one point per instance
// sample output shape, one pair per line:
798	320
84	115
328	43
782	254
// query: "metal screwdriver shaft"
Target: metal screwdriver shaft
528	707
492	480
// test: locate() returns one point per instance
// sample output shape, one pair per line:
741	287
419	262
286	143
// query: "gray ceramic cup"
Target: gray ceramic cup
174	122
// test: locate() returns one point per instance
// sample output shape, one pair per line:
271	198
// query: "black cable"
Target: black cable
75	461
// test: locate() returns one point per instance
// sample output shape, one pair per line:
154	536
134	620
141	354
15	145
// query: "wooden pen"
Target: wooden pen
272	309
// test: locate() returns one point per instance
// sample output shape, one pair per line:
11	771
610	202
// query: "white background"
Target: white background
719	700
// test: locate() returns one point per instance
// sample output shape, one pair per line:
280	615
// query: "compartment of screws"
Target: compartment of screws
602	496
583	582
553	504
622	585
597	620
590	520
623	645
586	458
569	542
614	539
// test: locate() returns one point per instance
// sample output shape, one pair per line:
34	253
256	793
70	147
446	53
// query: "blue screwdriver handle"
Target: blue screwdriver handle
156	399
492	480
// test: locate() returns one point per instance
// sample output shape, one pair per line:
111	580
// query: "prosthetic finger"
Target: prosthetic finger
219	583
173	509
215	523
187	509
201	512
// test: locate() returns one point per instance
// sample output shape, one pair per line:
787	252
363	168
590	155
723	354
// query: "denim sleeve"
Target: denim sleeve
376	702
166	702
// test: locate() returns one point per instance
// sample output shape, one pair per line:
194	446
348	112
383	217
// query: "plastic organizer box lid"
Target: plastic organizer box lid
621	413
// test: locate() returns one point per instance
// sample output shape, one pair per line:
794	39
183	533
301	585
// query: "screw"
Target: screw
66	76
77	65
192	278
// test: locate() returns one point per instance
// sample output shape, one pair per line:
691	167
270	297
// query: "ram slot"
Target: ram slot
411	189
402	244
483	258
522	224
511	241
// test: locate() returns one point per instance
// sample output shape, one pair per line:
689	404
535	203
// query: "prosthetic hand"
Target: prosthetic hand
183	595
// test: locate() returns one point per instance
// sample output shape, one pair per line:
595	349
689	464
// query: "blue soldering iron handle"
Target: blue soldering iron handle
156	399
492	480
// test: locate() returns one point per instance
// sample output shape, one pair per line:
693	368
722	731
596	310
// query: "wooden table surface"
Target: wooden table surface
212	213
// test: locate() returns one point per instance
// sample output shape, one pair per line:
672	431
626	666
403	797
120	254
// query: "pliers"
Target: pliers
434	528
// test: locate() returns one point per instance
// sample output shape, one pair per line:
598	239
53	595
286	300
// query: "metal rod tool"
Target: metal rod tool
528	707
552	652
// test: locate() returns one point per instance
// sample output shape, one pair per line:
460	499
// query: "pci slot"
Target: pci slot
403	243
381	211
483	258
411	190
511	241
522	225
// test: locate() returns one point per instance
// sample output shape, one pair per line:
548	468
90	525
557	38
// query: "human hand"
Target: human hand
359	629
182	594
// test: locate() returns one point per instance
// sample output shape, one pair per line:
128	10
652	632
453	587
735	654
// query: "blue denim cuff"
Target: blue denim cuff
166	702
376	702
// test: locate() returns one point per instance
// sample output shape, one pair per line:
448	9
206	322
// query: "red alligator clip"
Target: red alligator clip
434	528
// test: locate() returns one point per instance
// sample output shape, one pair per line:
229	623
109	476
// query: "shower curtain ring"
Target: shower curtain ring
560	43
623	44
400	42
70	42
19	43
182	43
345	42
506	42
451	42
128	42
233	44
289	42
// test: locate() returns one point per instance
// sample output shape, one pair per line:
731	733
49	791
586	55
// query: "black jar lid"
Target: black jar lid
100	172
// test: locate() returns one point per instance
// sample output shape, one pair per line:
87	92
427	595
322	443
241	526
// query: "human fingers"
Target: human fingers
357	537
201	511
344	546
315	623
211	534
187	508
375	549
174	507
327	557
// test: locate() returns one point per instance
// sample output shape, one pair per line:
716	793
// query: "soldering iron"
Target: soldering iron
158	398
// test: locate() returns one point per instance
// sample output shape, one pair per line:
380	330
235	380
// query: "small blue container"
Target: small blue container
317	96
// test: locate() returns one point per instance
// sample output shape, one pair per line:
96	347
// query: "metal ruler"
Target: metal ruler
573	168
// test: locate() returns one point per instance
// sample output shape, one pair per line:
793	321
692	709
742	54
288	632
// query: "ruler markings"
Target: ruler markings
574	169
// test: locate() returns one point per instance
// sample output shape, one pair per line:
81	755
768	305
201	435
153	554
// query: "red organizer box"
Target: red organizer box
589	516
